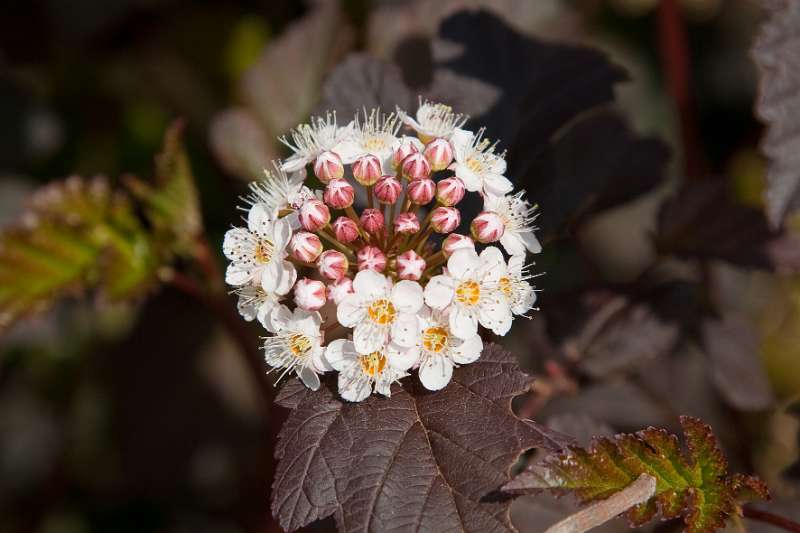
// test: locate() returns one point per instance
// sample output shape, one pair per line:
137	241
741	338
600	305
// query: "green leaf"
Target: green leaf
81	234
693	483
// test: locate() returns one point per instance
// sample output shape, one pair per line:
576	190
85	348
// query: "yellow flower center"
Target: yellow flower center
373	364
374	144
264	250
506	287
434	339
299	344
382	312
475	165
468	292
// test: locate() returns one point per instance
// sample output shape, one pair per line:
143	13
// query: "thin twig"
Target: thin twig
770	518
601	512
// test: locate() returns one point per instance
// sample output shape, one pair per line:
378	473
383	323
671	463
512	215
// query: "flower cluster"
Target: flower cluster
393	287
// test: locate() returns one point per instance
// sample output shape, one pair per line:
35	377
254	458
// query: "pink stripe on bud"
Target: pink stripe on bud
309	294
421	191
487	227
410	265
328	166
406	223
367	170
450	191
456	241
415	167
305	246
314	215
372	258
407	146
339	289
445	219
339	194
372	220
388	190
439	153
345	229
333	264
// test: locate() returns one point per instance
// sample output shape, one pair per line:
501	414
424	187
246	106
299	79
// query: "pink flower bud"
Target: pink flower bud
372	220
415	167
367	170
339	289
410	265
456	241
439	153
372	258
406	223
345	229
407	146
487	227
309	294
314	215
339	194
388	190
450	191
445	219
305	246
333	264
421	191
328	166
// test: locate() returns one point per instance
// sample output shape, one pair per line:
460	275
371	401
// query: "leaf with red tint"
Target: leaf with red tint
418	461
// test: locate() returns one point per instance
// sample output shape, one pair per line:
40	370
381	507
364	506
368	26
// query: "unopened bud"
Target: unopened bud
421	191
445	219
405	147
367	170
439	154
415	167
328	166
309	294
339	194
372	258
314	215
345	229
388	190
372	220
410	265
339	289
407	223
450	191
487	227
456	241
305	246
333	264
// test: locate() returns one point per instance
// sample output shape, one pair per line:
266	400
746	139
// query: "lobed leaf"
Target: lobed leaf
693	483
416	461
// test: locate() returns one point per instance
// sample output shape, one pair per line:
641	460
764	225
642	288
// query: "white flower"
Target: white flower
433	120
469	291
517	215
477	165
376	310
439	350
374	135
257	253
297	345
512	282
280	193
311	140
256	303
360	374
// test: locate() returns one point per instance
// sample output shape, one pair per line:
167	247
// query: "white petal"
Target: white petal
463	263
354	387
350	310
531	242
493	264
340	354
281	234
259	218
238	243
309	378
318	360
294	163
400	357
281	318
515	264
463	323
238	275
370	284
287	278
440	291
348	150
435	372
472	180
383	384
512	243
271	276
496	184
266	316
495	315
468	351
461	140
407	296
369	337
526	301
405	330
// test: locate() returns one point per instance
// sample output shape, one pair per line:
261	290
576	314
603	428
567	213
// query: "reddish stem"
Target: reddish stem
769	518
676	66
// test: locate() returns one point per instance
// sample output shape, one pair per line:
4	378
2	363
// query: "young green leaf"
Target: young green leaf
693	483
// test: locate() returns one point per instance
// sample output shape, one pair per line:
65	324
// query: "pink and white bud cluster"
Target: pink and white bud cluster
385	260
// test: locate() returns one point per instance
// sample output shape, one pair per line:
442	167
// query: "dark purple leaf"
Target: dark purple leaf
417	461
777	54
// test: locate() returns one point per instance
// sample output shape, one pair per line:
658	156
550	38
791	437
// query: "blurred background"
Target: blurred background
143	416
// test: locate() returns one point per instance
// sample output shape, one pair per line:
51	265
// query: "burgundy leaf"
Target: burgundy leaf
416	461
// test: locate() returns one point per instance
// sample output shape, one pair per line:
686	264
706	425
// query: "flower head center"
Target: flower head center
382	312
475	165
373	364
468	292
506	286
434	339
299	344
374	143
263	252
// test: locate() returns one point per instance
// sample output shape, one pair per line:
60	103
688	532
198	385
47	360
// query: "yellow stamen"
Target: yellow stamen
382	312
468	292
434	339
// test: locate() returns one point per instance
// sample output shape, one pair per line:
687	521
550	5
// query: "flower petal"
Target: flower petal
407	296
472	180
493	264
440	291
531	242
294	163
369	337
237	275
370	284
496	184
405	330
464	263
516	263
340	354
435	372
400	357
463	322
512	243
309	378
350	310
525	301
259	219
238	244
354	387
468	351
494	314
318	360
